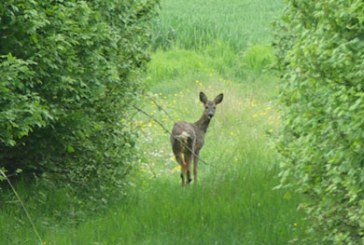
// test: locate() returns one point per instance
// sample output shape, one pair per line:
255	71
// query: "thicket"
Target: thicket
68	73
321	55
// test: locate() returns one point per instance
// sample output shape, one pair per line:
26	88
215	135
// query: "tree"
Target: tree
68	73
321	53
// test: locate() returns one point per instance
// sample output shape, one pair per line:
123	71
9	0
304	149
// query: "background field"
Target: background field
212	46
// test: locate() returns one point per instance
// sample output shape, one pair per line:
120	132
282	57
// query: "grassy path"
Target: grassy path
209	47
234	202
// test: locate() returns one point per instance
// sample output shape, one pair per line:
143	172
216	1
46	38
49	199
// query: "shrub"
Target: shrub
68	74
321	54
258	58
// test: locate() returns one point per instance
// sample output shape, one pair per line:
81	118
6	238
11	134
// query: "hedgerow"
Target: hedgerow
321	52
68	73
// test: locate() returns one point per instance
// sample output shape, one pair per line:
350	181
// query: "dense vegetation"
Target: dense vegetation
321	47
71	73
68	74
234	202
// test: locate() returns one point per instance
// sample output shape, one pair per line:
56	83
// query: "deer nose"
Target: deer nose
210	115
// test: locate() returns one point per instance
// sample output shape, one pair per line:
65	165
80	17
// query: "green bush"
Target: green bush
321	54
258	58
68	73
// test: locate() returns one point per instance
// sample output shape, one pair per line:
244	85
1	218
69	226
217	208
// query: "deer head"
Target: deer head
210	106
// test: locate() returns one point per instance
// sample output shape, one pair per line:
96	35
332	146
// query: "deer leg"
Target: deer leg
184	175
189	179
188	159
180	161
195	164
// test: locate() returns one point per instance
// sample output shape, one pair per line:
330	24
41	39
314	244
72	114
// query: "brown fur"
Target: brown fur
187	139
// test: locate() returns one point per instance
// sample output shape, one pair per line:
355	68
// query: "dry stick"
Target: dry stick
166	130
23	206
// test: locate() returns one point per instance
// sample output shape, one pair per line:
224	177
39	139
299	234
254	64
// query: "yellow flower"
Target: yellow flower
253	103
177	168
263	113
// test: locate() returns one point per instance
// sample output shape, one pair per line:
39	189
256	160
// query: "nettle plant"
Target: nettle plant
320	48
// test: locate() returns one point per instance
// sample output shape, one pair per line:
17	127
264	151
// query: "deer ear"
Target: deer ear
203	97
218	99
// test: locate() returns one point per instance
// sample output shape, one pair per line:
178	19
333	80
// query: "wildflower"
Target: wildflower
198	83
263	113
177	168
253	103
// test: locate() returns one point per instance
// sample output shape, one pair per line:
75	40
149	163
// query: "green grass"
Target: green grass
234	202
195	24
233	210
175	69
212	46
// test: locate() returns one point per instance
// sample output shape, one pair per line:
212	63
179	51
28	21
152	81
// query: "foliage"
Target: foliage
68	72
321	53
259	58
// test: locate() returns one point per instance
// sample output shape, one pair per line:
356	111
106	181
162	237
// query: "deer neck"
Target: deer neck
203	123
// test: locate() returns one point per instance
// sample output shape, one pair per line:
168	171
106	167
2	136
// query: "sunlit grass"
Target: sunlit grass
245	116
241	209
193	24
234	202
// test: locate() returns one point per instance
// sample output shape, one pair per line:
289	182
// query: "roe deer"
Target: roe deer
187	139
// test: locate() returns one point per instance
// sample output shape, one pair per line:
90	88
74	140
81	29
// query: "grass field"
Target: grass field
194	24
212	46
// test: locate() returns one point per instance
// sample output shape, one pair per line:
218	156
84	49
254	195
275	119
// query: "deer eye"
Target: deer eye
206	107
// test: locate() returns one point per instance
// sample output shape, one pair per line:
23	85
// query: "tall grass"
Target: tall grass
239	210
194	24
217	59
230	38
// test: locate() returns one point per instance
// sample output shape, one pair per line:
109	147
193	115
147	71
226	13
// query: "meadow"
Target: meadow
212	46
